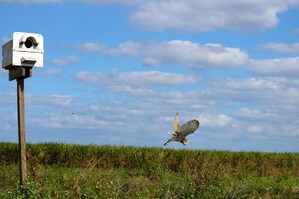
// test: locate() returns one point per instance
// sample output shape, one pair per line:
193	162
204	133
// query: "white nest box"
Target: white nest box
24	50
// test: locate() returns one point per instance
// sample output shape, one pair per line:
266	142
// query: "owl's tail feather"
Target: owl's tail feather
170	140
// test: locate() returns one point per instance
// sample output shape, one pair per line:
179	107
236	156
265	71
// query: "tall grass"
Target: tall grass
76	171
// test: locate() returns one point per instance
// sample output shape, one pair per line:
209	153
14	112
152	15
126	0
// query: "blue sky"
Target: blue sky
116	72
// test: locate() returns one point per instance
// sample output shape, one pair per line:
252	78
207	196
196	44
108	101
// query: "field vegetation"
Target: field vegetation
76	171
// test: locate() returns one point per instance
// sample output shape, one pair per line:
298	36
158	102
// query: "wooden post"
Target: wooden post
21	129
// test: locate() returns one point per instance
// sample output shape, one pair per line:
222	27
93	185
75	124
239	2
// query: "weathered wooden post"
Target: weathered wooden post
21	129
24	51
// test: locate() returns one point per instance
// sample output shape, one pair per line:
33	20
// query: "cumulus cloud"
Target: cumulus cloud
175	52
71	120
145	78
46	122
136	83
276	121
68	60
220	120
194	55
199	16
193	15
250	114
270	106
253	91
91	47
280	47
129	48
42	117
275	67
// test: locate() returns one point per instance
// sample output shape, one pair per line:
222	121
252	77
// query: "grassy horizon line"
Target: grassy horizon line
82	171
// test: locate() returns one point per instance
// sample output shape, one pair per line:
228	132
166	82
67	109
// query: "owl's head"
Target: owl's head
184	141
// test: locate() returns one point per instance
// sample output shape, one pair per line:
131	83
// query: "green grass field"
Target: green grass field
76	171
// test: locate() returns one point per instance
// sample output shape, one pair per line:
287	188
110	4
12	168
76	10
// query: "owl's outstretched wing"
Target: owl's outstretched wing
176	122
187	128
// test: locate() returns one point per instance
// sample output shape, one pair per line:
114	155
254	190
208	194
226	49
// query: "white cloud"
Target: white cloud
57	120
129	48
39	110
144	78
193	15
154	78
45	122
276	121
280	47
136	83
199	16
282	91
220	120
195	55
248	84
91	47
275	67
250	114
175	52
68	60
